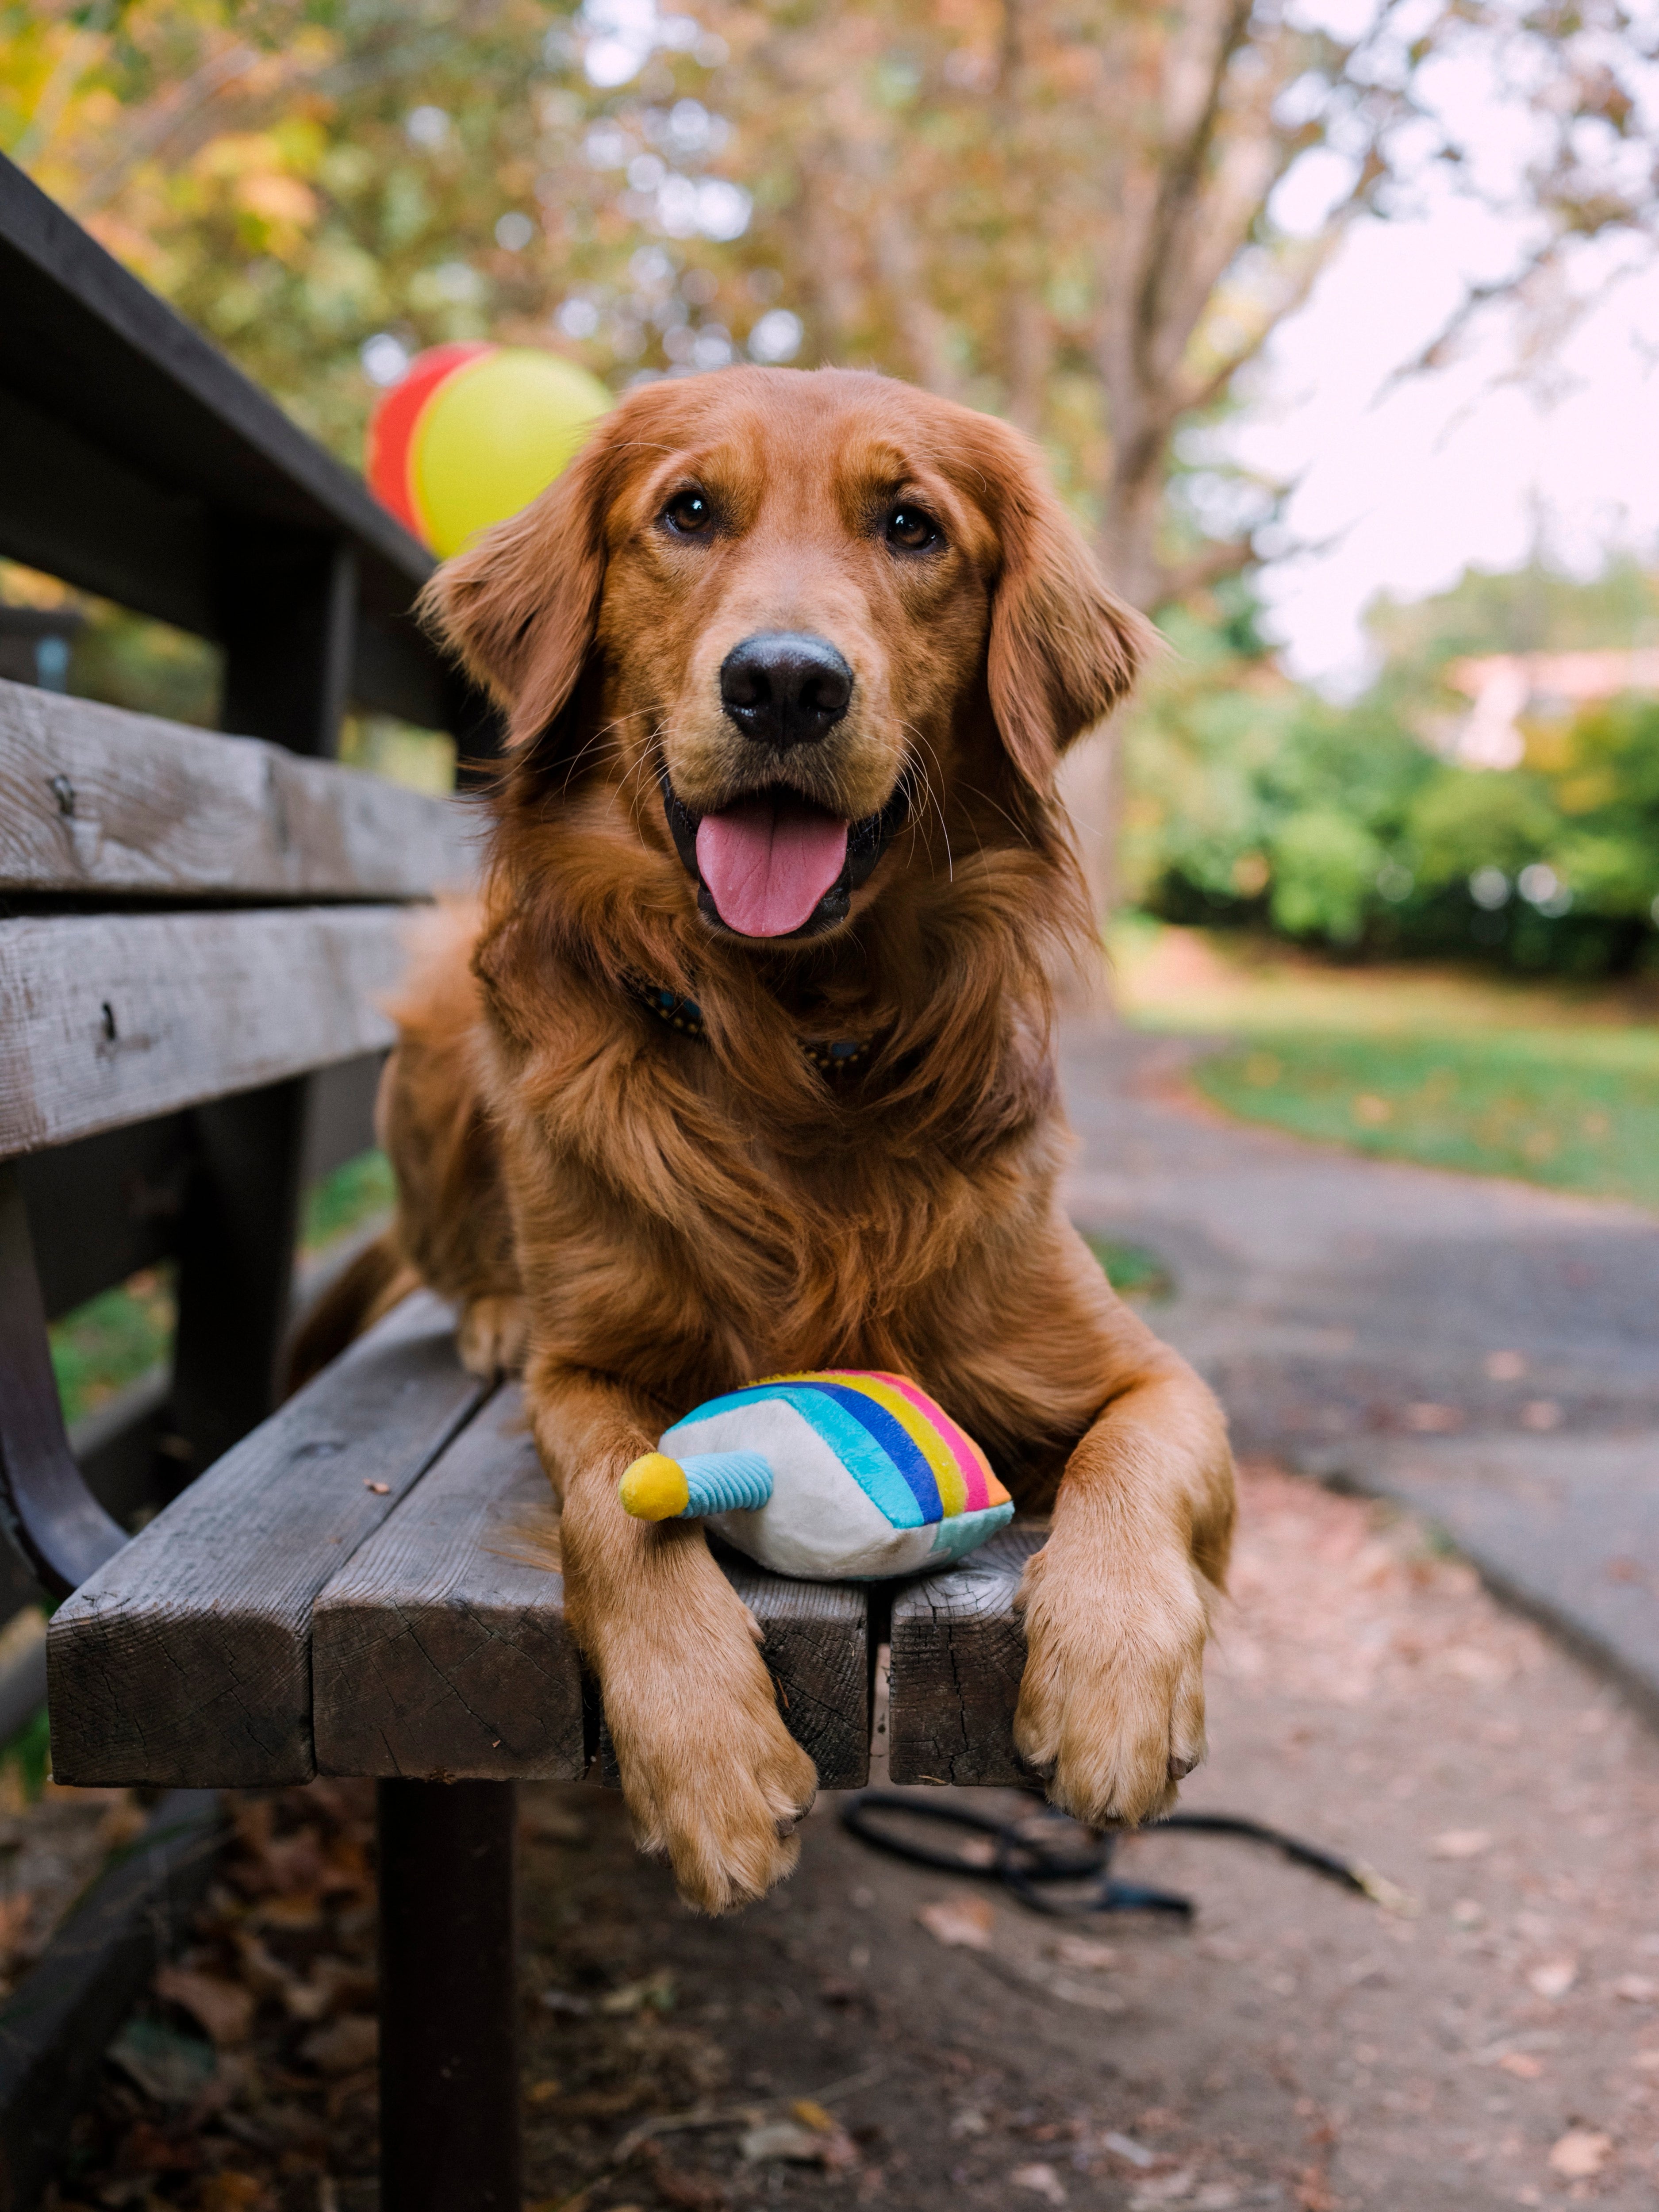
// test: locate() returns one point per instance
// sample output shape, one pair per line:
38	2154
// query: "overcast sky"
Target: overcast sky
1401	485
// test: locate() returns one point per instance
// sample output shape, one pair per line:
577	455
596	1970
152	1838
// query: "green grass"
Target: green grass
110	1342
345	1200
28	1757
1578	1109
102	1347
1451	1066
1131	1269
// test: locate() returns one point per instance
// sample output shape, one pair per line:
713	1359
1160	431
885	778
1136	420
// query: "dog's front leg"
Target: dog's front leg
1117	1602
711	1777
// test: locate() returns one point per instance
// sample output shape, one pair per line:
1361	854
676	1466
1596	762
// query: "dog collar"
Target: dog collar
833	1056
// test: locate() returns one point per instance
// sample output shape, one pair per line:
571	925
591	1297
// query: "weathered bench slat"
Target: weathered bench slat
109	1018
187	1660
95	799
441	1649
957	1655
816	1643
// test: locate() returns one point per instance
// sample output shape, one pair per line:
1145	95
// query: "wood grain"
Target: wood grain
110	1018
816	1644
95	799
187	1660
440	1651
957	1655
816	1647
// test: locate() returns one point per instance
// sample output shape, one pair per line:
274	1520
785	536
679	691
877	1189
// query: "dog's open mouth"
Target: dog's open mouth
773	863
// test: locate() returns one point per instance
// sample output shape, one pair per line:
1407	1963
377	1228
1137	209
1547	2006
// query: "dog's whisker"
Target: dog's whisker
929	796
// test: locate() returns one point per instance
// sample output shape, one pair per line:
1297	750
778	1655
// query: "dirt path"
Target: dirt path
1296	2046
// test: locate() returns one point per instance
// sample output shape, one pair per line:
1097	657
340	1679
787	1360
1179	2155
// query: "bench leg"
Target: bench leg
449	2004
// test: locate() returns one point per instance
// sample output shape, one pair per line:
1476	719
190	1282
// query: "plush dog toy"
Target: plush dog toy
841	1476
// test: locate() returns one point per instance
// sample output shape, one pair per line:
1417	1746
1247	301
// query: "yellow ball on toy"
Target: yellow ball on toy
472	433
655	1488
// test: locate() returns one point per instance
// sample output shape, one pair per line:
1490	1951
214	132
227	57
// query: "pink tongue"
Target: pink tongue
768	863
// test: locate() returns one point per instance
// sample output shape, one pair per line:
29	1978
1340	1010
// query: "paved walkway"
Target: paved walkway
1484	1351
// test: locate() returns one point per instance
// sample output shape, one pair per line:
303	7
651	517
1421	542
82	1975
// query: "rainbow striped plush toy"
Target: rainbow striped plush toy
842	1476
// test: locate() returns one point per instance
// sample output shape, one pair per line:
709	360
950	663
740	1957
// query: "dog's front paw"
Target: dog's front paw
492	1336
1111	1702
714	1781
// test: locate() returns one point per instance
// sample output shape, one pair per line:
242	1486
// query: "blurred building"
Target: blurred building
1508	687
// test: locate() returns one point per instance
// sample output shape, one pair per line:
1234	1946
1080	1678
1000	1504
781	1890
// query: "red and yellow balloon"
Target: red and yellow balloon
472	433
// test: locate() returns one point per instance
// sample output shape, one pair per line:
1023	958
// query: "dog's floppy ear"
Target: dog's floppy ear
1064	649
519	606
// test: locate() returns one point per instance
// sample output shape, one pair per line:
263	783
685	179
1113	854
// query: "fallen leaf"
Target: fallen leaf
1462	1842
1579	2153
15	1915
306	1999
297	1915
230	2191
1554	1978
1168	2189
1083	1951
1041	2180
1131	2152
263	1973
539	2091
811	2114
688	2193
1522	2064
1433	1420
656	1989
345	2045
971	2122
782	2139
224	2009
552	1824
963	1923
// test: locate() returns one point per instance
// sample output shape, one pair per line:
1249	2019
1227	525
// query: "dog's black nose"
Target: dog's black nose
785	687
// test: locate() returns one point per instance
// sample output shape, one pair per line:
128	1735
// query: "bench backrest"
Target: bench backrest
195	930
175	1067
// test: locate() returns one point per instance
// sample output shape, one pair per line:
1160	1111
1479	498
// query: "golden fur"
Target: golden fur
644	1219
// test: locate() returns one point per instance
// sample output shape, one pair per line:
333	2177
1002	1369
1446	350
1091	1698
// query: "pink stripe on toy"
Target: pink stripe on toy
983	1488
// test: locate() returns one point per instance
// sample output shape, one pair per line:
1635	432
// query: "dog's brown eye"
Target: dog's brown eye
912	529
688	512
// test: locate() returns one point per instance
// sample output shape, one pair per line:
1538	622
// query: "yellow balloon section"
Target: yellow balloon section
493	435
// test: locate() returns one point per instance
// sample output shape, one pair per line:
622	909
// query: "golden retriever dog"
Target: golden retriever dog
744	1064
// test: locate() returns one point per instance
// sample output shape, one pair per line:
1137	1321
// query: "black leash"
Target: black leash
1067	1877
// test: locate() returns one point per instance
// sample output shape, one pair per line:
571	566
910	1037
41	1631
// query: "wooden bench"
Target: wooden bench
365	1584
195	932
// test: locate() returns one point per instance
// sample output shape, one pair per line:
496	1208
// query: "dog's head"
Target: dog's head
780	607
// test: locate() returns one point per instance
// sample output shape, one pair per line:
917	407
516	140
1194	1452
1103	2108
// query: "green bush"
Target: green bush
1249	799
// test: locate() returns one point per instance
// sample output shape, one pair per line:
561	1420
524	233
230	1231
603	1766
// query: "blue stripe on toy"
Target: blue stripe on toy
861	1452
895	1440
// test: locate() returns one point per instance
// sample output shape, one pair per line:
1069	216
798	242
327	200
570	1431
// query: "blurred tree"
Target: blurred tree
1089	214
1251	800
325	186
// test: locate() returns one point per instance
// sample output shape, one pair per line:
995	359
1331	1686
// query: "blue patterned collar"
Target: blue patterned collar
832	1057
